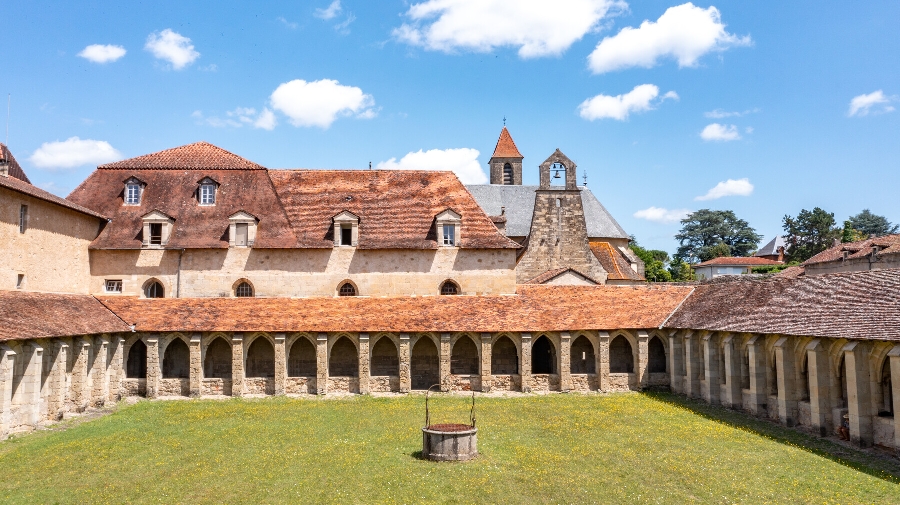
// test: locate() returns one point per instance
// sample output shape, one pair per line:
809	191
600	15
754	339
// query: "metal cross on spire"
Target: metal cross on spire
504	120
584	176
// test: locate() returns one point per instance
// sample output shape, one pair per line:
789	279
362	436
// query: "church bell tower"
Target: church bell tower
506	162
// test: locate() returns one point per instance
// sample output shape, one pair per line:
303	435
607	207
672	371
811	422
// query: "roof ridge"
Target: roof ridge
200	155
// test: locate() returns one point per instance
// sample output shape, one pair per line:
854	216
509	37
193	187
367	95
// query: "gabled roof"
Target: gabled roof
737	262
549	275
771	249
14	169
887	244
196	156
25	315
616	266
506	147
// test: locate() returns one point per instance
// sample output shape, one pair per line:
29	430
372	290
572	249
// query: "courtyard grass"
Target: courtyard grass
620	448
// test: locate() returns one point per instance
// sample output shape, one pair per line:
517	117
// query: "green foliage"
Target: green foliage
654	262
871	224
810	233
771	269
719	250
702	232
681	271
850	234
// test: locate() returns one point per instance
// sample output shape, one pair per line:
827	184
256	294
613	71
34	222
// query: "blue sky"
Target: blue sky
795	97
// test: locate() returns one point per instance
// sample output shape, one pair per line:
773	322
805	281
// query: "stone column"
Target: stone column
787	391
713	388
237	364
692	371
676	363
643	359
100	372
565	361
485	362
444	354
322	364
80	392
280	364
364	360
117	367
859	398
603	361
733	393
31	383
758	394
57	397
819	396
195	375
7	366
525	365
405	372
894	356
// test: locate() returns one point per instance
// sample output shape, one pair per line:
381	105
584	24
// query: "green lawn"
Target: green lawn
621	448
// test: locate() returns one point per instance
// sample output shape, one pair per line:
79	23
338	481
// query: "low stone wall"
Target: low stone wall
259	386
134	387
585	382
384	383
506	382
215	387
772	406
805	415
658	379
300	385
884	431
343	384
622	381
464	382
545	382
174	387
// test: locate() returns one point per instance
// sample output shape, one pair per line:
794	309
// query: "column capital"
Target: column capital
895	351
781	342
363	337
322	337
195	339
525	336
445	337
486	337
564	335
237	338
728	338
705	335
279	338
404	337
815	345
643	335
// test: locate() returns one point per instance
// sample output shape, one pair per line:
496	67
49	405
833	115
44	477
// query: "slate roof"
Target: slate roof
506	147
519	203
887	244
396	208
617	267
15	170
534	308
25	315
196	156
771	249
855	305
737	261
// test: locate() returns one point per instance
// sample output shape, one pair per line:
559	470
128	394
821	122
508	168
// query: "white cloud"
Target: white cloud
535	27
266	120
684	32
463	162
99	53
731	187
319	103
329	12
289	24
238	117
74	152
874	103
172	47
722	113
660	215
720	133
641	98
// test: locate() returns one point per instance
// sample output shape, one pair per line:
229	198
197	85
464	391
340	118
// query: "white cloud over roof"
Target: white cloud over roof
74	152
731	187
662	215
463	162
320	103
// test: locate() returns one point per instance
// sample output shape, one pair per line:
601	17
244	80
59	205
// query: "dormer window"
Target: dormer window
157	228
133	190
346	229
448	224
206	194
242	229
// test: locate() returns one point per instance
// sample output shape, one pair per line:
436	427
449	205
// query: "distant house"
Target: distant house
718	267
876	253
774	250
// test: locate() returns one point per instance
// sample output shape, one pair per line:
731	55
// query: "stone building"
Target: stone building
876	253
728	265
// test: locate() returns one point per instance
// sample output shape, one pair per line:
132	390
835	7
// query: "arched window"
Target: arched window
217	364
347	289
243	290
543	356
656	356
464	357
261	358
424	364
449	288
385	359
177	360
153	289
344	360
302	360
507	174
136	368
887	390
504	357
621	358
582	359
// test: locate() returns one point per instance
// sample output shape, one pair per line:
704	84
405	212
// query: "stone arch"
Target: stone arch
153	288
240	288
385	359
842	381
543	356
804	379
656	355
464	356
176	363
449	287
343	358
582	360
621	355
136	362
347	288
504	357
887	388
217	360
424	363
773	373
260	360
302	358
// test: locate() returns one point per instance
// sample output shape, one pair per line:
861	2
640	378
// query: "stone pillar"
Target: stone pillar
31	383
280	364
819	396
894	356
485	362
444	356
7	366
100	372
195	375
676	363
643	359
712	391
322	363
525	362
237	364
758	394
364	360
82	352
565	361
733	393
57	397
405	371
692	371
787	391
859	398
603	361
117	369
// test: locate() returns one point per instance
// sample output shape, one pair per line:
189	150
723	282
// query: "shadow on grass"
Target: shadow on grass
875	466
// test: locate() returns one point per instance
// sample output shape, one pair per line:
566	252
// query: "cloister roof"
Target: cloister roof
26	315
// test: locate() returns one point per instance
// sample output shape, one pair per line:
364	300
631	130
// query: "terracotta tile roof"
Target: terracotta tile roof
173	192
534	308
25	315
887	244
549	275
15	170
791	272
396	208
615	265
737	261
196	156
857	305
506	148
21	185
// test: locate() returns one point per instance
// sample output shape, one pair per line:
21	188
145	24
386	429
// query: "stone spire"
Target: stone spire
506	162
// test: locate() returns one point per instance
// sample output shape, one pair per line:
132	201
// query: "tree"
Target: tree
872	224
851	234
680	271
810	233
654	262
702	232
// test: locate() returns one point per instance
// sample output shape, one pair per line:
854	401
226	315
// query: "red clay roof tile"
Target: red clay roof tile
25	315
196	156
612	261
506	148
15	170
887	244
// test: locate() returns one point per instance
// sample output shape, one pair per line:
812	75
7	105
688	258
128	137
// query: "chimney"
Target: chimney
836	242
4	161
781	254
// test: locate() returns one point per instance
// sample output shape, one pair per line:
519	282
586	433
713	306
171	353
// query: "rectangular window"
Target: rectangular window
133	194
155	233
20	281
449	234
23	218
240	234
113	286
346	235
207	194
